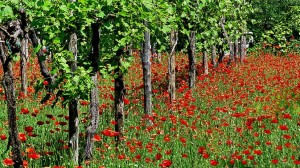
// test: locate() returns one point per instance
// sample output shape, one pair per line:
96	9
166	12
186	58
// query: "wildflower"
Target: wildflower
126	101
166	163
33	155
3	137
283	127
8	162
274	161
45	83
214	162
28	129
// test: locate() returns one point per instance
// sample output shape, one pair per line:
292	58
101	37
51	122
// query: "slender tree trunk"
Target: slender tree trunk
120	92
172	64
236	50
9	87
192	61
147	75
230	43
94	98
213	56
94	115
23	65
44	70
231	53
205	63
24	52
243	48
73	105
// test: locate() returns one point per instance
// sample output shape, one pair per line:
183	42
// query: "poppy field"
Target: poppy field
245	115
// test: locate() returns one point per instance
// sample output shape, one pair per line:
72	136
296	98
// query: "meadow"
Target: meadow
245	115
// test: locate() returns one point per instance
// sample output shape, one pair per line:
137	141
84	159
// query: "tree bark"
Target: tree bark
243	48
205	63
8	84
36	42
94	98
171	67
236	50
147	75
213	56
230	43
120	92
192	61
231	53
73	105
24	52
23	65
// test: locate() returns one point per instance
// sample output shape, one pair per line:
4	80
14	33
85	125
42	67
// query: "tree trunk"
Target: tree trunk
243	48
205	63
220	53
192	61
73	105
94	115
23	65
171	68
8	84
236	50
231	53
147	75
94	98
24	52
44	70
213	56
230	43
119	105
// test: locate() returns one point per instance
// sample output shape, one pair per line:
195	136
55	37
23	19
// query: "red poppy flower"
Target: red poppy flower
28	129
158	156
167	138
121	156
62	123
8	162
166	163
205	155
84	103
184	155
286	136
3	137
22	137
126	101
244	162
24	111
287	116
33	155
46	83
110	133
40	123
283	127
214	162
267	131
297	162
274	161
201	149
257	152
25	163
97	138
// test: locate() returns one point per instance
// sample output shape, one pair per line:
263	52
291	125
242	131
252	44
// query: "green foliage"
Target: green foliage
274	21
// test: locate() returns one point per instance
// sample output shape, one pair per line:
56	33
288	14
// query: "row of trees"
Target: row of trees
86	38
